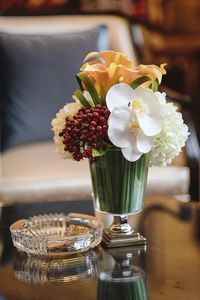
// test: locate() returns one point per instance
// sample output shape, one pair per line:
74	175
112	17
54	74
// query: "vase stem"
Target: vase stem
120	225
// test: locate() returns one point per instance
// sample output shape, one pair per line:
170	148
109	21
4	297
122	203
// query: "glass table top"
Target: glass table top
168	267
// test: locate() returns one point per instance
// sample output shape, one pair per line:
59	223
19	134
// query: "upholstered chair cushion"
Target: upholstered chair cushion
37	172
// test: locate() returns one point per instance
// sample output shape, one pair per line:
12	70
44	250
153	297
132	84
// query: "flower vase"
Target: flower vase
118	190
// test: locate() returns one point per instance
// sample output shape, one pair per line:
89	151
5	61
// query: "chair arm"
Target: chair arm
192	146
0	165
193	156
175	96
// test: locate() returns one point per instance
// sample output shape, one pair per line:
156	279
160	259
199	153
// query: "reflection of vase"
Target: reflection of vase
118	188
131	289
120	279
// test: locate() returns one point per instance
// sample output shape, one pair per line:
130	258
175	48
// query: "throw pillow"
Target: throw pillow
37	78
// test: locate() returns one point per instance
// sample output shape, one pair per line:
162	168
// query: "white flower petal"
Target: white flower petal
119	95
118	111
150	126
118	130
149	98
144	143
130	154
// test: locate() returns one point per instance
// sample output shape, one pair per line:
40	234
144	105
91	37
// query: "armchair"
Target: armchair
31	169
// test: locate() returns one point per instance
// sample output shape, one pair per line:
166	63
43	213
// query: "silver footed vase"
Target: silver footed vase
118	190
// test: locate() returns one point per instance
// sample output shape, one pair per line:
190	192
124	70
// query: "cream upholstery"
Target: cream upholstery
36	171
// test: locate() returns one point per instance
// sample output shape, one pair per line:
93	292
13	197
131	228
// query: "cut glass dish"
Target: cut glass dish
56	233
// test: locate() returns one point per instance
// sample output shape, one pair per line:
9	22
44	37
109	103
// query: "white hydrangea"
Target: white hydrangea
168	143
58	123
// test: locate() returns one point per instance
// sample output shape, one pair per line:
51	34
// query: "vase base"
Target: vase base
119	240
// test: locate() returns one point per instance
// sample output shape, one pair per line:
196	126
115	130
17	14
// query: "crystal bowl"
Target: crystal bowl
56	234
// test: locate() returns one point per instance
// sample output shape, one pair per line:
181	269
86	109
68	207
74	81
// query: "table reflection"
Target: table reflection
119	277
56	270
117	274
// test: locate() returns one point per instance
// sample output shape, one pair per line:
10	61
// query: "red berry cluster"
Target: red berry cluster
85	131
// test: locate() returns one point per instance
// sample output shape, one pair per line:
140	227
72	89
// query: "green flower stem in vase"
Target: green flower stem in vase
118	190
118	184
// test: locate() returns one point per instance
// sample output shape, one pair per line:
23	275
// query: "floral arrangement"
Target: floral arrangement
118	105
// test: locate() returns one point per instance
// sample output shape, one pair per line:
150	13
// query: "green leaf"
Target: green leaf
90	87
82	99
98	152
137	82
154	86
79	83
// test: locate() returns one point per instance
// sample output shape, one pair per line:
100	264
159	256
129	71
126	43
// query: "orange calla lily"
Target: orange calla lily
109	68
111	57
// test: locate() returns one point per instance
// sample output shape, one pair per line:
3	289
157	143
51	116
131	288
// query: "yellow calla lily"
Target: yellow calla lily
109	68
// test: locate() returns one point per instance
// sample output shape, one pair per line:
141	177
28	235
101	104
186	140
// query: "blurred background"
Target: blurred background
169	31
42	44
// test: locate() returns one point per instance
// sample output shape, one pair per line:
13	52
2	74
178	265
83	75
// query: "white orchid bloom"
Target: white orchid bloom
135	119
